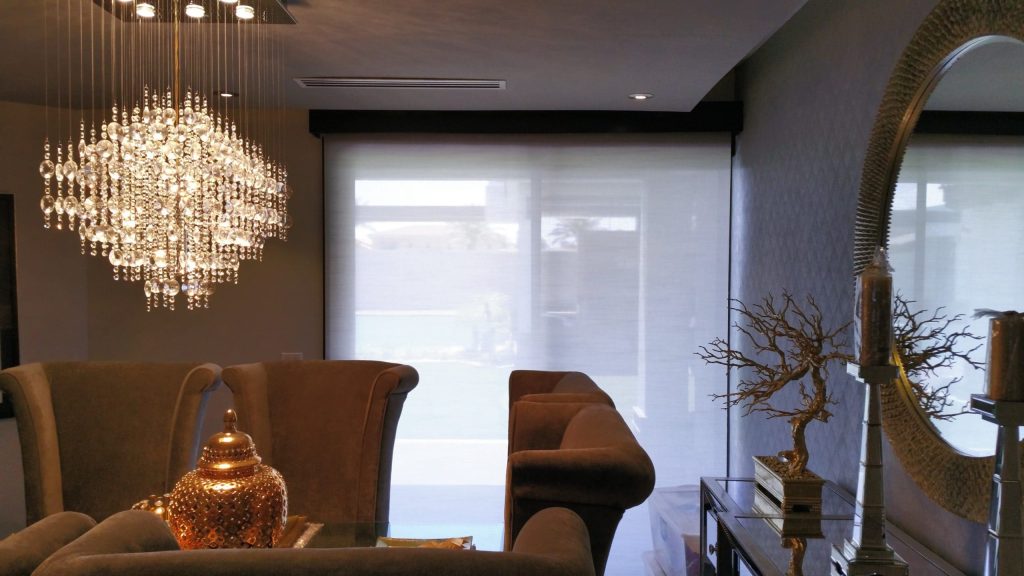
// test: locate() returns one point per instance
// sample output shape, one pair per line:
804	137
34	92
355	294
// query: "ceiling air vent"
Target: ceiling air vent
446	83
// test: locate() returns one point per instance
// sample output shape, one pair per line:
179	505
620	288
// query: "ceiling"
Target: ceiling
553	54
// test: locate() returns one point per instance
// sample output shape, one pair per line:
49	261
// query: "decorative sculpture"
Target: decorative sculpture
231	500
789	344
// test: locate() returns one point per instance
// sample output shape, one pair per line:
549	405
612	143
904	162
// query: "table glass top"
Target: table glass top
365	534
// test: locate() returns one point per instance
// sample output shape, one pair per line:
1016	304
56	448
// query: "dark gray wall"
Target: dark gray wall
810	96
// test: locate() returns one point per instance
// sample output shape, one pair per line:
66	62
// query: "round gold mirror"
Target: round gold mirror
925	196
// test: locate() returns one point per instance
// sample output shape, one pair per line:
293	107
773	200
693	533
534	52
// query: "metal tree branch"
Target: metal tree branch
789	342
928	342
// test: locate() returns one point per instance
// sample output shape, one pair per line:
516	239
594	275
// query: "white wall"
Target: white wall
70	308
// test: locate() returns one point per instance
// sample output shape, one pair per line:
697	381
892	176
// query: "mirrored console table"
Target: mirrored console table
741	535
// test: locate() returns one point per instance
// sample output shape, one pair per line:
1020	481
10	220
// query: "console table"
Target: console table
738	537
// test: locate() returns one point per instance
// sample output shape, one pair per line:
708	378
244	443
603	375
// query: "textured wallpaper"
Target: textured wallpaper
810	96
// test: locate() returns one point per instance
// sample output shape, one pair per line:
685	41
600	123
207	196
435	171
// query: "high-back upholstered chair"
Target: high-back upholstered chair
328	426
134	543
552	386
96	437
580	455
22	552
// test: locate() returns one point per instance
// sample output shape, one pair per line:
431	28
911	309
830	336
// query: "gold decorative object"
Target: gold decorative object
777	492
159	505
793	345
231	500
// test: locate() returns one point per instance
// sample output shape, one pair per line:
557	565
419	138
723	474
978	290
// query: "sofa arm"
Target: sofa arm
614	476
557	532
127	531
22	552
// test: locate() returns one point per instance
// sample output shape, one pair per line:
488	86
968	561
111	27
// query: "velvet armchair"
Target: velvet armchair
96	437
328	426
578	455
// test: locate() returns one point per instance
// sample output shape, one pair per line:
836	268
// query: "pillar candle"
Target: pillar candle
873	325
1004	378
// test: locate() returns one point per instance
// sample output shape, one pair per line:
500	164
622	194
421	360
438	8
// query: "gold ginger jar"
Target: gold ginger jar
231	500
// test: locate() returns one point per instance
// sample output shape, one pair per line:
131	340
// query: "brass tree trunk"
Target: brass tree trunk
797	457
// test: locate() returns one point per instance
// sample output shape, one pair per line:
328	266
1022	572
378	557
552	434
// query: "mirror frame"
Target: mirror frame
958	482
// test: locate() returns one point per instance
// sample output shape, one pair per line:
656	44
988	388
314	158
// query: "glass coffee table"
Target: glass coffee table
306	533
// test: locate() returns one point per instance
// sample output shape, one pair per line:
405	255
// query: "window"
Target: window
956	242
471	256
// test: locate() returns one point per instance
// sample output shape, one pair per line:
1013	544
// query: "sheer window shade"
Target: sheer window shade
470	256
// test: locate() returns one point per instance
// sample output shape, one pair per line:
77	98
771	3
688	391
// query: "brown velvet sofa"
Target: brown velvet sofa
576	454
22	552
137	543
328	426
96	437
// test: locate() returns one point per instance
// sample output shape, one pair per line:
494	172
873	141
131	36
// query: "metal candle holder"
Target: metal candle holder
867	553
1004	546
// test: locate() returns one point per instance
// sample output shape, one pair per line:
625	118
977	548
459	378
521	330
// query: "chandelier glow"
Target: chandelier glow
168	190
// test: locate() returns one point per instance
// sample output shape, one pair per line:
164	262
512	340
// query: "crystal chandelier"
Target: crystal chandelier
157	164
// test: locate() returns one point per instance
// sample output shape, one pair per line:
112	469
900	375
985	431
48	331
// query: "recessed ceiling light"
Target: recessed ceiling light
244	12
193	10
641	96
227	94
145	10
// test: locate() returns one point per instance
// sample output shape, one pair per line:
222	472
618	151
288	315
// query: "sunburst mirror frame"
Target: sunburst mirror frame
958	482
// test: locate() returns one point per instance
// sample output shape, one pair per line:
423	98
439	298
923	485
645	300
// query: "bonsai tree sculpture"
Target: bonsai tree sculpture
790	344
927	343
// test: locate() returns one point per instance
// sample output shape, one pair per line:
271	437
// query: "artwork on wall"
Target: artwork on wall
8	294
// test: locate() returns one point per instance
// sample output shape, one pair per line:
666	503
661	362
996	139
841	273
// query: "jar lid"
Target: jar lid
230	452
